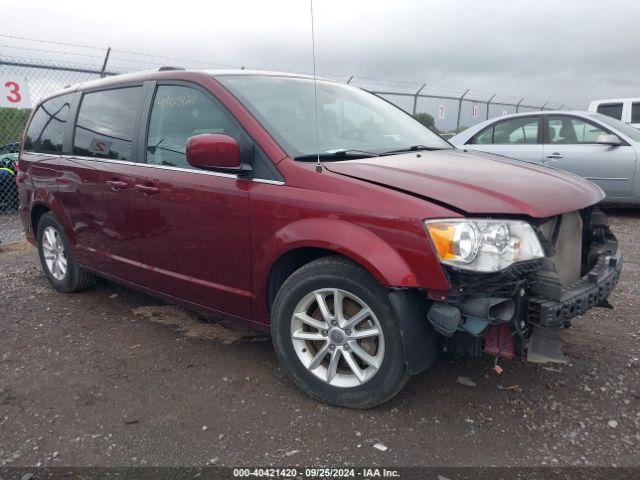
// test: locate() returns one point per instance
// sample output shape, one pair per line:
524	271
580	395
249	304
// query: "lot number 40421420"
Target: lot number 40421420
14	92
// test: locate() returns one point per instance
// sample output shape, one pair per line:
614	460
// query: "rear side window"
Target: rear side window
613	110
106	123
515	131
178	113
46	131
635	112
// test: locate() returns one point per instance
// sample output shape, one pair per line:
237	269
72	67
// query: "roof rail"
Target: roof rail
166	68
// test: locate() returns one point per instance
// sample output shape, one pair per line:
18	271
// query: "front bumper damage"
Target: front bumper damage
521	309
554	305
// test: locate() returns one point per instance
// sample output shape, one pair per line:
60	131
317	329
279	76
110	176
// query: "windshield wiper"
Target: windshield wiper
336	155
413	148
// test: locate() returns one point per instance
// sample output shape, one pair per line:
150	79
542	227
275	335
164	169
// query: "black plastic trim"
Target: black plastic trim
419	340
574	300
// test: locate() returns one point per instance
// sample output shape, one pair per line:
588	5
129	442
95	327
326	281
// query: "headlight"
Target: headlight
483	245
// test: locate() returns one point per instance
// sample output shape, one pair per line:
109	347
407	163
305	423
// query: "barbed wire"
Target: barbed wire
116	58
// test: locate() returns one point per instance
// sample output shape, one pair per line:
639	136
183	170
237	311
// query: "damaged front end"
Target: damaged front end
521	309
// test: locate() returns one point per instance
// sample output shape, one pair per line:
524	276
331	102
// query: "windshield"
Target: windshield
349	119
632	132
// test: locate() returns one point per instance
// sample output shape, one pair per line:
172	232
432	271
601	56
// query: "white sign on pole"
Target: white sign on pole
441	111
476	111
100	146
14	92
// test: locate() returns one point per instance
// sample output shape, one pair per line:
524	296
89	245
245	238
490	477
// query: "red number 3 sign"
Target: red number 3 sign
14	92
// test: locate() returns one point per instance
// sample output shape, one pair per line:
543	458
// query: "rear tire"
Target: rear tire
56	257
350	356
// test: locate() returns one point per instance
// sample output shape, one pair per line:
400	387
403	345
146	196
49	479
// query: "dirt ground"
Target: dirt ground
111	377
10	228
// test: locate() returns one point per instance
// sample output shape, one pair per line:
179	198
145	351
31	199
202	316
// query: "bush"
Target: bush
427	120
12	123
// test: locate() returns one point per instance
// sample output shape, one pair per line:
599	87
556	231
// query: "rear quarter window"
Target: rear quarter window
485	137
46	130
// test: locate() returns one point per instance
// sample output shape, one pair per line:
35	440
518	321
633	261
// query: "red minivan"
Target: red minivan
362	240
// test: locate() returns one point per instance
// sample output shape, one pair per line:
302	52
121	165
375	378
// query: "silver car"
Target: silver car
599	148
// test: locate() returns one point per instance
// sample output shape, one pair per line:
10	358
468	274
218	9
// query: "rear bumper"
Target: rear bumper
552	305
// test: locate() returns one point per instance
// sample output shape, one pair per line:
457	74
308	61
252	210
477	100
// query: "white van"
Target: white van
626	110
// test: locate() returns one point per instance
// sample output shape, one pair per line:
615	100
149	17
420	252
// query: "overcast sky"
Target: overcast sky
566	51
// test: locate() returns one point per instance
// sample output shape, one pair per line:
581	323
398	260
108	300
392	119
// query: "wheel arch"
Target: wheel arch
306	240
44	201
37	211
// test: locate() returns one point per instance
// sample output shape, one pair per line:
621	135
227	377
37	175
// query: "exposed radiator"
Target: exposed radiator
565	232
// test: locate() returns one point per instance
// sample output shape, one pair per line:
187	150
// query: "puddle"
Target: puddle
191	325
16	247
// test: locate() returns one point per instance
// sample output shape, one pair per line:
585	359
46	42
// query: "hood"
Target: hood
477	183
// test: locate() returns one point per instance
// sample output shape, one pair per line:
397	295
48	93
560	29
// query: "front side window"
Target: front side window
178	113
46	131
613	110
348	118
635	112
106	122
572	130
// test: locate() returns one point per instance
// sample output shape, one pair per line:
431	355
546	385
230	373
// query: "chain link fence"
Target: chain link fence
449	110
41	68
29	82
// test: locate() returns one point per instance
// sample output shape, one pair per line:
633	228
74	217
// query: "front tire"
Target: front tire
56	257
336	335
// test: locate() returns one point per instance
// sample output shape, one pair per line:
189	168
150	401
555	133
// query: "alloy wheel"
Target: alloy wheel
337	337
54	255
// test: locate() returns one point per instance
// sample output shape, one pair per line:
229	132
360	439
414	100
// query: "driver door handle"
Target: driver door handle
146	189
116	184
555	155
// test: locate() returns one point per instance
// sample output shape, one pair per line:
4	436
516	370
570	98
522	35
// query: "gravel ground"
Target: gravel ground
10	228
112	377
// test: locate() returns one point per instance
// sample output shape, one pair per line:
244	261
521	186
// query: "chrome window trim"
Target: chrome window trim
98	159
606	178
269	182
188	170
176	169
33	152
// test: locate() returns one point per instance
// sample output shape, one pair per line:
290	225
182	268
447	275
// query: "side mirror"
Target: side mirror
213	151
609	139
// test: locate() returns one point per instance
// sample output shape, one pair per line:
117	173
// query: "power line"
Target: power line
51	51
15	37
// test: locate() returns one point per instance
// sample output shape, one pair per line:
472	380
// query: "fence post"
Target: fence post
460	108
544	105
489	104
415	98
350	78
518	104
104	64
